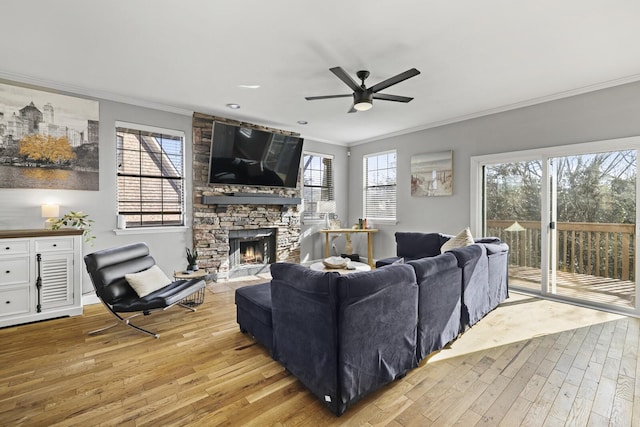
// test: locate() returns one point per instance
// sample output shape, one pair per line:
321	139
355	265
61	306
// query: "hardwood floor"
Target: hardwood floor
530	362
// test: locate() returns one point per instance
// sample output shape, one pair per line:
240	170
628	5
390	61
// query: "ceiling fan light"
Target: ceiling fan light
363	105
362	101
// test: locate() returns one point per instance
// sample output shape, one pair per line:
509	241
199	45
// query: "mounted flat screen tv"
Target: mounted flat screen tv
246	156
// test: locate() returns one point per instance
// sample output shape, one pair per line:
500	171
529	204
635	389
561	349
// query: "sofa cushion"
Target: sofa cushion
377	322
304	304
414	245
253	312
257	300
462	239
476	299
439	302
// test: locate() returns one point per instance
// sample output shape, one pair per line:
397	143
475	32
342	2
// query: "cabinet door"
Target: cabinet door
56	274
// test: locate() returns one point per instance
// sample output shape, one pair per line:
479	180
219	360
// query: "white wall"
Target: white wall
20	208
311	242
604	114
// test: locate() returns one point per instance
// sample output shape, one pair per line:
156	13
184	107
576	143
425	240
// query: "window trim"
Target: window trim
143	229
365	171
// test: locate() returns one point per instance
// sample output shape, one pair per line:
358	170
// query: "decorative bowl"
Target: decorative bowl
335	262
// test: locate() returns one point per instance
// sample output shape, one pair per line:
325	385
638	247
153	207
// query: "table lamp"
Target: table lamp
51	213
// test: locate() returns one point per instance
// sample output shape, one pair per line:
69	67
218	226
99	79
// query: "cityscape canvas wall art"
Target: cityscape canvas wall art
47	140
432	174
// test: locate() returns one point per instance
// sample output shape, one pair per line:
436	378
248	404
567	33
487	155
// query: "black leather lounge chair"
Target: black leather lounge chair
107	269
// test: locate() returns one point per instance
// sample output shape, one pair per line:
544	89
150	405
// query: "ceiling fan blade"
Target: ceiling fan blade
352	109
396	98
342	75
311	98
394	80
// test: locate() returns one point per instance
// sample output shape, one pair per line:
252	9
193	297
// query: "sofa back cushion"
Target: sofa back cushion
475	282
439	302
377	320
414	245
304	304
498	258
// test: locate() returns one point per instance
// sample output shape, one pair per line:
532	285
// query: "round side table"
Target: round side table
197	297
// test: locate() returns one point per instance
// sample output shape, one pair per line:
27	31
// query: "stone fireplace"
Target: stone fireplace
240	230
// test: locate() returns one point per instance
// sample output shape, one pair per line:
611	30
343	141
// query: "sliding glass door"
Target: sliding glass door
512	211
569	217
594	195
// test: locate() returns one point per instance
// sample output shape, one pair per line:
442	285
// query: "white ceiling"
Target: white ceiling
475	57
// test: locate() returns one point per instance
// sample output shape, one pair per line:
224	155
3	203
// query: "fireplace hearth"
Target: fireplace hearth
251	251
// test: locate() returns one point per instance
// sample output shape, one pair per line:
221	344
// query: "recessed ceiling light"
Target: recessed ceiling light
233	106
302	122
249	86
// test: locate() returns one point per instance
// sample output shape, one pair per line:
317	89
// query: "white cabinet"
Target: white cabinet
40	275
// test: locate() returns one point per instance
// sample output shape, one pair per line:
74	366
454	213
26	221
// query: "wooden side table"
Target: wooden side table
197	297
347	232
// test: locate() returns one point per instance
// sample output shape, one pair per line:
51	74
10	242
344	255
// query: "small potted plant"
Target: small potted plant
78	220
192	259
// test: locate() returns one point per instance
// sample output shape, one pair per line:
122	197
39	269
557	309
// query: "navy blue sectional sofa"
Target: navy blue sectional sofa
485	268
345	336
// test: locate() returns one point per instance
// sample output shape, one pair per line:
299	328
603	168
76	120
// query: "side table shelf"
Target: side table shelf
196	298
347	232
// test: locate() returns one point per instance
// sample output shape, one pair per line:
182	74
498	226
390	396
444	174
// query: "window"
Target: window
317	186
380	186
150	176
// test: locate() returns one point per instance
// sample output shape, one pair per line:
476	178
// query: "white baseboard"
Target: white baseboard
90	298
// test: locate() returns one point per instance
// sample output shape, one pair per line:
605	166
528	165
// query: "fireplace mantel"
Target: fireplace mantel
250	200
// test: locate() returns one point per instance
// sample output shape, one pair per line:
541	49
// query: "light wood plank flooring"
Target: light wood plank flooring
530	362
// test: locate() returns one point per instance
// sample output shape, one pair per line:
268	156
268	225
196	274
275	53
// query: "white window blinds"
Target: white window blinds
380	186
150	177
317	189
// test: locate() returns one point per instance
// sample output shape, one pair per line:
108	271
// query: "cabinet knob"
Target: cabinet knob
8	247
55	244
8	271
7	302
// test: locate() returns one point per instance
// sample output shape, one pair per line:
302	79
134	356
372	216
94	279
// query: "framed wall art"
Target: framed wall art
432	174
47	140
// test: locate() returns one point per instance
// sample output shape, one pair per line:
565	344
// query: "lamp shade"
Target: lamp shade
50	211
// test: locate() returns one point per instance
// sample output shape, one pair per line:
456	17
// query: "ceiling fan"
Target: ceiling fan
362	96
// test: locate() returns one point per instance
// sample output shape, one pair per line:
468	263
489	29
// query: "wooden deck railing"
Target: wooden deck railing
604	250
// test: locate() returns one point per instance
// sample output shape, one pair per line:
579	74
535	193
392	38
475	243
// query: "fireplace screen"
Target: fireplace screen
251	251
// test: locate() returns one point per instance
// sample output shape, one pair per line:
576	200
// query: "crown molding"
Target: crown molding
43	84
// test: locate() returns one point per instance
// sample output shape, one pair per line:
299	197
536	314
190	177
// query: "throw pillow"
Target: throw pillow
147	281
462	239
